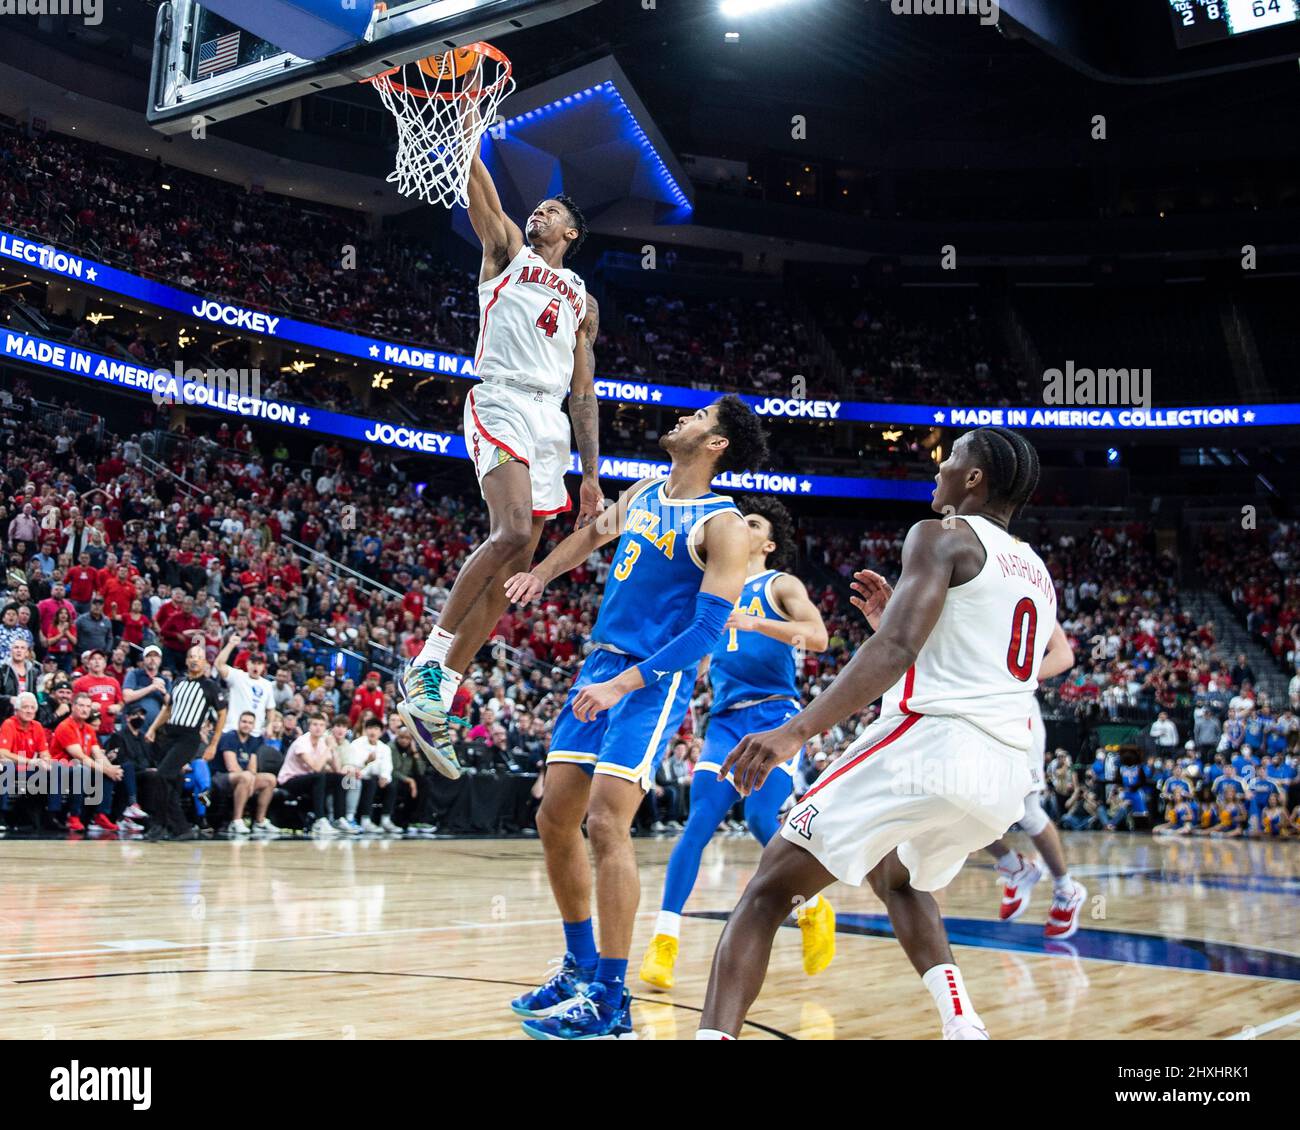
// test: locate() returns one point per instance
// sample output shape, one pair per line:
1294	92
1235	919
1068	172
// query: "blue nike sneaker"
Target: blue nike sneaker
564	987
422	711
590	1017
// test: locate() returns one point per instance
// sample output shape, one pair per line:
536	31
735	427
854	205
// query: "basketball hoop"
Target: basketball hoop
443	104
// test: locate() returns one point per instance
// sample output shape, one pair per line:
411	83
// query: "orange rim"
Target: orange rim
480	48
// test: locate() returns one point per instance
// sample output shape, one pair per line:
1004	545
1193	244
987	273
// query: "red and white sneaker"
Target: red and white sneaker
1017	886
1063	918
75	824
104	824
135	812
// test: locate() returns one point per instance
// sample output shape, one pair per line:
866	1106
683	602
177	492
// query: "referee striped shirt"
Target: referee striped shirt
194	701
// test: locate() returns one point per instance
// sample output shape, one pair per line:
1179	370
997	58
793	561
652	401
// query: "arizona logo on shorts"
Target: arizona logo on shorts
802	821
476	447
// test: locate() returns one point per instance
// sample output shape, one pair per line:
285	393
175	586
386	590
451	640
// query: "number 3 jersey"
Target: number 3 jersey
656	571
528	325
981	660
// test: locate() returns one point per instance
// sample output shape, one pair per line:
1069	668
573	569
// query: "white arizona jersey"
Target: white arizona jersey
981	660
528	325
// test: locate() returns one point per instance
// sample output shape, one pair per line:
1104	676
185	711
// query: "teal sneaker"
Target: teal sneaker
422	710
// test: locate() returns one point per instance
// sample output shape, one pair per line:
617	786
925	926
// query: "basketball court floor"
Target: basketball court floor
396	939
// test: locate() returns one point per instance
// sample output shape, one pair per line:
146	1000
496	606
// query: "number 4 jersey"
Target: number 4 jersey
528	325
981	660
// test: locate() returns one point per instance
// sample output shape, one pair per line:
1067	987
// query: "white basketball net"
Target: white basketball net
440	121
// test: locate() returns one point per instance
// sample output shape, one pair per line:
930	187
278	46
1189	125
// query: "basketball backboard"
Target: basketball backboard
206	68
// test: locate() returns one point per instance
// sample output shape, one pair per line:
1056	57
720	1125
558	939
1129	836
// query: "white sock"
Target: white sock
712	1034
435	648
1010	863
669	923
449	686
949	993
1063	885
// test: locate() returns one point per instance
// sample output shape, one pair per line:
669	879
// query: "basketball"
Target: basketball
452	64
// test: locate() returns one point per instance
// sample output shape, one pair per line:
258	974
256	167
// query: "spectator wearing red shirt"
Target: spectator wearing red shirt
106	574
82	579
134	624
22	739
24	745
119	591
413	598
92	774
103	689
179	630
461	701
367	697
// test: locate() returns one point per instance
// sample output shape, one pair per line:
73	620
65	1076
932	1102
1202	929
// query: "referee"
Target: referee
178	733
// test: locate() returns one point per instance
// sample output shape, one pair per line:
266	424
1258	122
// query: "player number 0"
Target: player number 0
1024	625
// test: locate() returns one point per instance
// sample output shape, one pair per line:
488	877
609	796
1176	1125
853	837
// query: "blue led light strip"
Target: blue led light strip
40	258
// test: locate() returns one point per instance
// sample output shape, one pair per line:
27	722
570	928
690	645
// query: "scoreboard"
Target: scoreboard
1211	21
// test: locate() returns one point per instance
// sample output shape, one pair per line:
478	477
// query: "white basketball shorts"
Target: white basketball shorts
504	423
935	787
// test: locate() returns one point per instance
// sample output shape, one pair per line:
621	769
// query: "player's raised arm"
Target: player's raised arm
573	550
929	555
805	627
497	232
584	412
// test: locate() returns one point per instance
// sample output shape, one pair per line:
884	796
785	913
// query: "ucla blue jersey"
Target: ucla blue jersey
749	666
650	593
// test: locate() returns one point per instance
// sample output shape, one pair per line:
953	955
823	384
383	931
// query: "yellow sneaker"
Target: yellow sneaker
657	967
817	924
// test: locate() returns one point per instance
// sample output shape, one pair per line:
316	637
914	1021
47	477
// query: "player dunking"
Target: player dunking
943	769
754	675
537	332
677	573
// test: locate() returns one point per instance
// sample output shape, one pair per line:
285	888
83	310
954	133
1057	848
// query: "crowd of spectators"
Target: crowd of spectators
218	239
274	253
105	561
752	346
931	351
1236	779
1257	573
288	256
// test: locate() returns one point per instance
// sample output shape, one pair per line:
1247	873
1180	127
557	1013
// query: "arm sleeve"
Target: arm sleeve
691	645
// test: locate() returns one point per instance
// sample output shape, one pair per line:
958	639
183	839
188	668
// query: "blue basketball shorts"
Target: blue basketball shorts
728	727
629	740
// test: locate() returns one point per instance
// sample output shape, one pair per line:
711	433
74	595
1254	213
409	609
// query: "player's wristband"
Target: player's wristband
691	645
